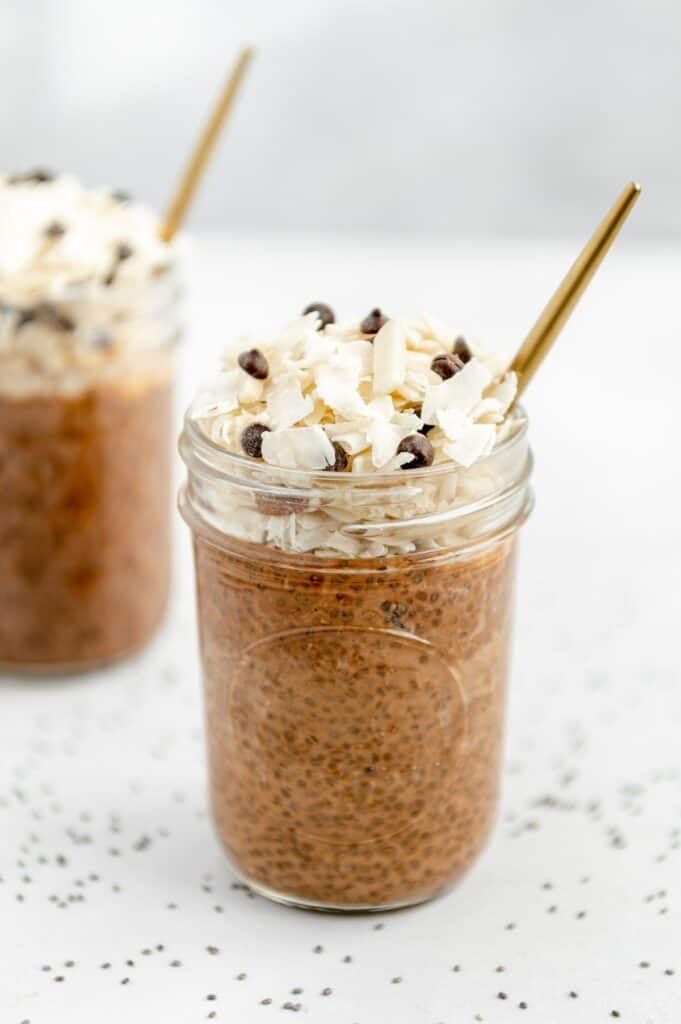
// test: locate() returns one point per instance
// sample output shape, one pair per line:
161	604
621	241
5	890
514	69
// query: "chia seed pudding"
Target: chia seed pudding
88	319
355	620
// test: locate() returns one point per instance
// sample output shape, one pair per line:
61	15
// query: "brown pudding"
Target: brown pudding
355	713
84	522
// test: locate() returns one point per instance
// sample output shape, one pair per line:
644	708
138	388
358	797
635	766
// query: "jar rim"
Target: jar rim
222	464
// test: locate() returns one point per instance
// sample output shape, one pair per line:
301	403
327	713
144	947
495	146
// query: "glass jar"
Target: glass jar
354	636
85	474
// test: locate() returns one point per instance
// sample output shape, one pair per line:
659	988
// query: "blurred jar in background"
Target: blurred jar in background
88	324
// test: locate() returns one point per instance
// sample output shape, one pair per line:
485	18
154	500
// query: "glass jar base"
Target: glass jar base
45	671
302	903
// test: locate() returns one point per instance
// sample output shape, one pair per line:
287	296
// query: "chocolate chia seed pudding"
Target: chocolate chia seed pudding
87	324
355	623
84	524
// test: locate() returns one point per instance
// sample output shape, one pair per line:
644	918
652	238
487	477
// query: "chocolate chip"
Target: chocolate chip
37	176
341	461
279	505
123	251
427	427
462	350
324	312
418	446
45	313
251	439
446	365
24	316
254	363
121	196
55	230
372	323
50	315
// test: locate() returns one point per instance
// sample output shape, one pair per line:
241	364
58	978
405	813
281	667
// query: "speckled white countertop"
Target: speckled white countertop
115	900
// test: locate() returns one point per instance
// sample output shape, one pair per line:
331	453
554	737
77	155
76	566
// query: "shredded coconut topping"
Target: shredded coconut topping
84	277
357	407
367	395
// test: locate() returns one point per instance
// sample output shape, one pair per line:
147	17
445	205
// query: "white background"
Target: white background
435	156
102	787
452	116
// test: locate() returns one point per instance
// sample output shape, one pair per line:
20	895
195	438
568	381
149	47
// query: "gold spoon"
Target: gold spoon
184	193
553	317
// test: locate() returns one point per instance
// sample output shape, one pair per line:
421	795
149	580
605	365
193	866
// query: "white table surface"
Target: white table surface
107	856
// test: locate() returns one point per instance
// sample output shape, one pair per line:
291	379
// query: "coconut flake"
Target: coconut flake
488	410
338	385
249	389
461	392
384	439
453	423
286	403
319	349
477	442
363	351
504	391
390	358
298	448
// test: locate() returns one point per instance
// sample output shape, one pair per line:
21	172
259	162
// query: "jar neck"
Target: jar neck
65	345
356	515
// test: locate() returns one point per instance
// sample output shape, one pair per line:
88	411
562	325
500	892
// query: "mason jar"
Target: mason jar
354	634
85	467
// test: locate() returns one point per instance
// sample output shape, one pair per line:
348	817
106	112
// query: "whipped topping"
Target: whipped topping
84	277
367	394
319	387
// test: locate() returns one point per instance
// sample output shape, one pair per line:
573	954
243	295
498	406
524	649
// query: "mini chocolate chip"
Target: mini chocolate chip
123	251
37	176
121	196
55	229
341	461
251	439
418	446
24	316
372	323
253	362
49	314
446	365
427	427
46	314
462	349
324	312
279	505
